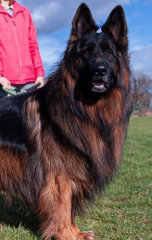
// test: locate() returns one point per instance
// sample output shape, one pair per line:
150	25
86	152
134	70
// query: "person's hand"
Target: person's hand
5	83
41	81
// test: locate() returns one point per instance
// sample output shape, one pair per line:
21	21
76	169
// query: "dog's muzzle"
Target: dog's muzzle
99	84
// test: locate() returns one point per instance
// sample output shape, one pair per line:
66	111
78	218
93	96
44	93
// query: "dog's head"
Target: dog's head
92	57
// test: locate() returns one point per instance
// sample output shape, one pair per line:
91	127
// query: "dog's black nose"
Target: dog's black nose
100	70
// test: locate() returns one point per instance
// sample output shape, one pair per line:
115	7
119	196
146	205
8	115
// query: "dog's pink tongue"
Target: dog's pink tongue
99	85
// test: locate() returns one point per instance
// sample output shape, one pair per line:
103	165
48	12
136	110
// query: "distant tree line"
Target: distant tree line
141	88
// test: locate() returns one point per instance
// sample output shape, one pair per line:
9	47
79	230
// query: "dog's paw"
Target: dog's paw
86	235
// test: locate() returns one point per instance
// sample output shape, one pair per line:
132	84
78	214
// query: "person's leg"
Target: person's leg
3	93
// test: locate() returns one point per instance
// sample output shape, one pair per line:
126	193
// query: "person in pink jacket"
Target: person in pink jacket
20	60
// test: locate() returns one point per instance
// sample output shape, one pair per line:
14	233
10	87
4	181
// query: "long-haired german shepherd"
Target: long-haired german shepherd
61	144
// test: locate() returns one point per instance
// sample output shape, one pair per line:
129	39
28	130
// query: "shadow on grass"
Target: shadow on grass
18	215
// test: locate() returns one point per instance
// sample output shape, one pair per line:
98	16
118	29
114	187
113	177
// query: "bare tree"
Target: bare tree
141	87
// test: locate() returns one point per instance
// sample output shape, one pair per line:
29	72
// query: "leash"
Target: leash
17	90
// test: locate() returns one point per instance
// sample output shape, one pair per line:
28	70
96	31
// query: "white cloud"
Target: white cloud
51	50
141	60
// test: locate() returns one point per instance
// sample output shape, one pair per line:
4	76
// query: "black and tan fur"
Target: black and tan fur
61	144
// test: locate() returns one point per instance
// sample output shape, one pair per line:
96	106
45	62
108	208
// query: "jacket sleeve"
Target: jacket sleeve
34	50
1	68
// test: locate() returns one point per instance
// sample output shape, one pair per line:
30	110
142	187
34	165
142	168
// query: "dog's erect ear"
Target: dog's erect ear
116	26
83	22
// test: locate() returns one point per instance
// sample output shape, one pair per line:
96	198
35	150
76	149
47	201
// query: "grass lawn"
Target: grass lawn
123	213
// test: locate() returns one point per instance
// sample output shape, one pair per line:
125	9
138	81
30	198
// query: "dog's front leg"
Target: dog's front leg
55	209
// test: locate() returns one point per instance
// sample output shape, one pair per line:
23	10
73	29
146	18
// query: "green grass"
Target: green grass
123	213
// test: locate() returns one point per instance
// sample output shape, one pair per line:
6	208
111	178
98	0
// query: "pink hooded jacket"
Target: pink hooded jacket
20	60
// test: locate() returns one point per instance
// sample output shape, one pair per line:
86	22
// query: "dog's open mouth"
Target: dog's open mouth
100	86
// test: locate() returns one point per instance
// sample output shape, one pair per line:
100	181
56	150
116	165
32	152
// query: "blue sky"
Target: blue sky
53	22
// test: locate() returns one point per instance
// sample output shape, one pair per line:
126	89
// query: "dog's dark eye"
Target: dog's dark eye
86	52
108	53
